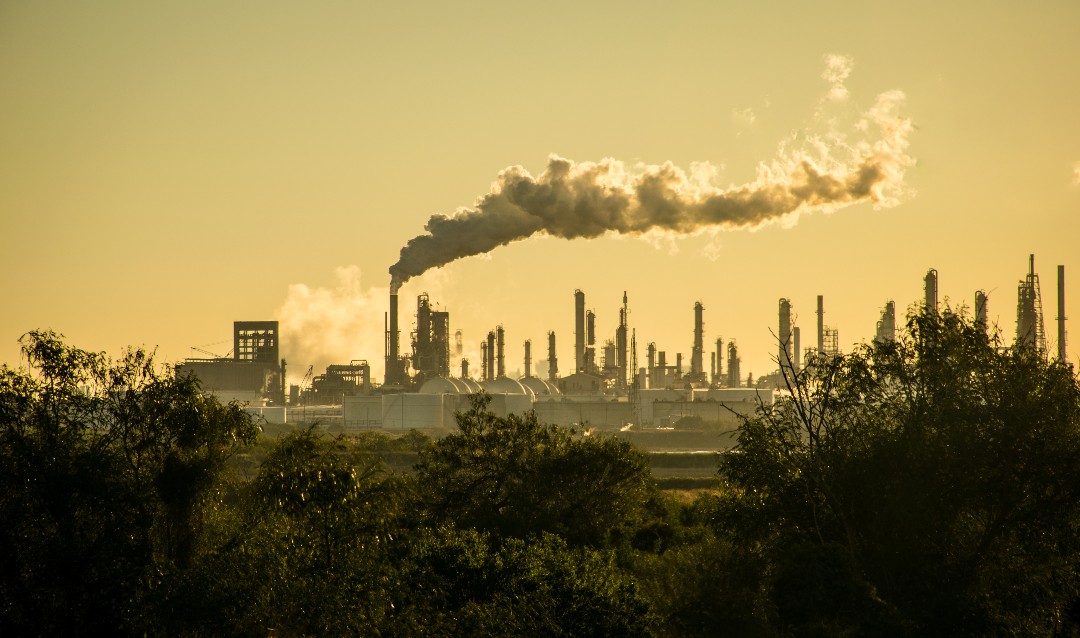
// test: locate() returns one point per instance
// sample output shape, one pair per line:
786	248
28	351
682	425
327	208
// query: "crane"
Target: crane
203	350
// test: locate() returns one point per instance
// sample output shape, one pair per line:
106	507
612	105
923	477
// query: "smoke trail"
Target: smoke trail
572	200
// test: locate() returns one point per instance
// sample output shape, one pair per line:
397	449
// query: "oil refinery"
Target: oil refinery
429	380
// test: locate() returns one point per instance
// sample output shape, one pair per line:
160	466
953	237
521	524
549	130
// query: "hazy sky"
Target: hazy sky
167	168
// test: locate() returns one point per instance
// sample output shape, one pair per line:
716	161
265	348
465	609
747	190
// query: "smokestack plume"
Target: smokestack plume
574	200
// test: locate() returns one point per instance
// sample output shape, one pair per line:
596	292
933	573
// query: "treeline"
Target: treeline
928	486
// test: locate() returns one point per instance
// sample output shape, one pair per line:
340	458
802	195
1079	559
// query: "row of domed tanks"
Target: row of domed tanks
531	386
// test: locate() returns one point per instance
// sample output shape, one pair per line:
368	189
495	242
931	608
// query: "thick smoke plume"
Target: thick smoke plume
588	199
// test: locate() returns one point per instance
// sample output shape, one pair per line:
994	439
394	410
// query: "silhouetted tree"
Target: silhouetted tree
927	485
516	477
104	467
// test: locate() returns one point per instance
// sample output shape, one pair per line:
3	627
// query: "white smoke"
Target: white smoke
837	70
1076	173
320	326
589	199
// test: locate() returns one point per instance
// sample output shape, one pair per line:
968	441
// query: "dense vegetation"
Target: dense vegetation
929	486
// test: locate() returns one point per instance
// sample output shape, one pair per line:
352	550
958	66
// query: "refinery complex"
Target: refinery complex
606	386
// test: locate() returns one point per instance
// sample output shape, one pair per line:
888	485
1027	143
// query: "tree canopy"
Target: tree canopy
923	485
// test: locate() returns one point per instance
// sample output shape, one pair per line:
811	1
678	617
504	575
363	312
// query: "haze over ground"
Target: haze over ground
167	170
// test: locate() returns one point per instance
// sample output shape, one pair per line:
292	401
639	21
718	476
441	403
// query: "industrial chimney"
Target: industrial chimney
697	364
553	361
783	357
579	331
500	359
1061	313
797	361
734	381
489	369
820	324
930	288
621	363
528	358
981	307
719	359
392	374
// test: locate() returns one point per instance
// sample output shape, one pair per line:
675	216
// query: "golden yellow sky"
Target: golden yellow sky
165	170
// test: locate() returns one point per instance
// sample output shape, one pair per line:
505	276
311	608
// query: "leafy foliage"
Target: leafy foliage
515	477
103	469
927	485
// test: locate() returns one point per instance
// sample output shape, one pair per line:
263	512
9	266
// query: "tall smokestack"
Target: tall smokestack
981	308
500	359
797	361
528	358
489	372
485	355
734	380
820	324
930	287
783	357
579	331
697	353
464	368
719	359
1061	314
392	375
621	365
553	361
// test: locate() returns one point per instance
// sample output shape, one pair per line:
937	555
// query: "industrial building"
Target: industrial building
254	373
419	389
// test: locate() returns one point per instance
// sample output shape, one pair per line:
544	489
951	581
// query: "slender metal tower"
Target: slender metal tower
528	358
579	331
553	361
489	369
796	341
500	353
697	367
820	324
621	334
930	288
734	380
783	357
982	306
1061	313
393	373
